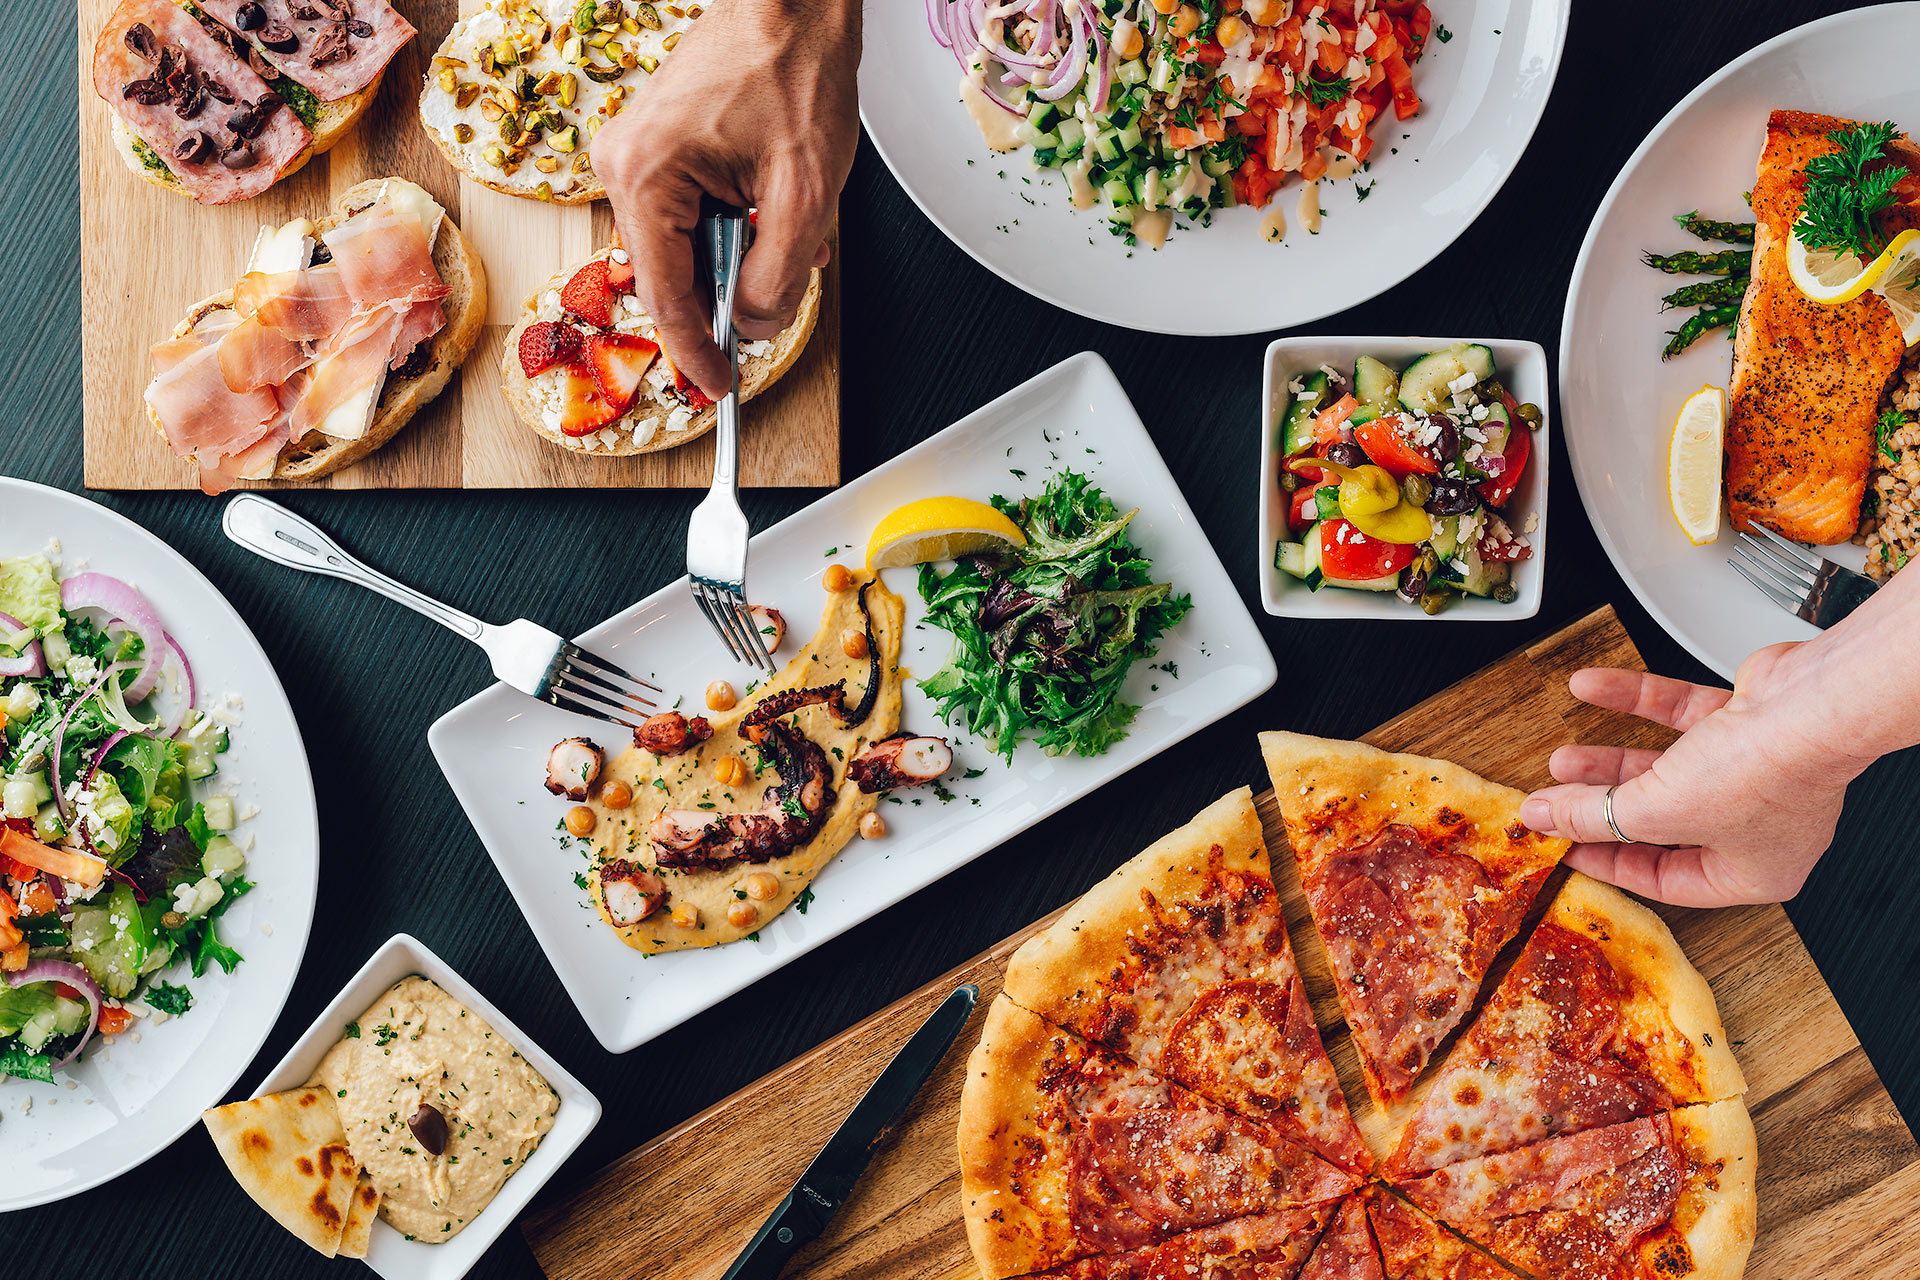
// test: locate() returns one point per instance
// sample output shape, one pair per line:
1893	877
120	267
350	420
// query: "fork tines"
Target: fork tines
726	609
589	684
1782	572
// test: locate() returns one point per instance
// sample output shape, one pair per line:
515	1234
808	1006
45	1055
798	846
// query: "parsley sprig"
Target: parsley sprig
1847	189
1321	92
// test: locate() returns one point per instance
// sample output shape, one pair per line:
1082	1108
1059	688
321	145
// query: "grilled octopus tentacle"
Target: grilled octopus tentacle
900	761
864	708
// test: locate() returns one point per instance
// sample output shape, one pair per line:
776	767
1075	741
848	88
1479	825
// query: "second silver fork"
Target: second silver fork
1804	584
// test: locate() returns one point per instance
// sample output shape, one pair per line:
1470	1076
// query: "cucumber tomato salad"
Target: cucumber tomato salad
1178	107
1398	480
114	869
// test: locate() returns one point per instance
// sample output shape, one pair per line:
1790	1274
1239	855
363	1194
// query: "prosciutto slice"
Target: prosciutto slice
384	258
253	355
116	66
197	410
308	305
353	359
328	60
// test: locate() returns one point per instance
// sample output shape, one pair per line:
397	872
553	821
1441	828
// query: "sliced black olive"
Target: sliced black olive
279	37
250	16
194	148
1346	455
238	156
141	40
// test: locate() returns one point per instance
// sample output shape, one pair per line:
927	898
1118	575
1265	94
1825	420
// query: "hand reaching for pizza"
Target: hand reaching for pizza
756	107
1743	805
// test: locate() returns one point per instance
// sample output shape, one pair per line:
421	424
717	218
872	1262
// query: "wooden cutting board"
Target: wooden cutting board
148	255
1839	1171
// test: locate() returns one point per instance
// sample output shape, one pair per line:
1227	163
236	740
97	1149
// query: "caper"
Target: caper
565	140
1416	489
1492	390
172	920
603	75
1505	593
648	17
463	132
1529	413
1289	482
1432	602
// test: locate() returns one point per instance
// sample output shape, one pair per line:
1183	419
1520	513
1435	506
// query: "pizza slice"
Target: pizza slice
1665	1197
1601	1020
1416	874
1180	961
1415	1247
1268	1246
1068	1149
1345	1250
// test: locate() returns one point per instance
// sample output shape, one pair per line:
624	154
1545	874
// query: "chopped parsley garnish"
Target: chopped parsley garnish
1890	421
1322	92
169	999
804	901
1847	189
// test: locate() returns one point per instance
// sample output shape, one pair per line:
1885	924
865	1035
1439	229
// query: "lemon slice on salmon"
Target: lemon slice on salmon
1831	277
1693	464
1900	285
939	529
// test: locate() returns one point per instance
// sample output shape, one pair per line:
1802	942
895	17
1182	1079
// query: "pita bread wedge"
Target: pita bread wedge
361	1211
288	1151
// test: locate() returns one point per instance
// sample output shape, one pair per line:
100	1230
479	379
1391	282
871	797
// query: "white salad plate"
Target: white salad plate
1522	366
1618	400
132	1095
389	1252
1482	93
494	746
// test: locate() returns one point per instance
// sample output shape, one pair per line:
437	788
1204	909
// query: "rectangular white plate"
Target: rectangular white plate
493	747
389	1252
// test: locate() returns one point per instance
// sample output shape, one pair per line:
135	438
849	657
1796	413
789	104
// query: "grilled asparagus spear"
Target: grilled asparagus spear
1709	229
1708	293
1698	324
1725	263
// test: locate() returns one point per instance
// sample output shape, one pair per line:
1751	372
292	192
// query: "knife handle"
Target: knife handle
797	1220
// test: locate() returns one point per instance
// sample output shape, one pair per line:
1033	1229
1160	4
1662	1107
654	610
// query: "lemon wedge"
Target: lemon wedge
939	529
1693	464
1831	278
1900	285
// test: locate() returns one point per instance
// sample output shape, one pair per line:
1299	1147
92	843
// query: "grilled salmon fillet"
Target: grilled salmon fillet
1807	378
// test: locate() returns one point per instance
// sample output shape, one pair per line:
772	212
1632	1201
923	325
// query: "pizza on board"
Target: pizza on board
1270	1246
1416	872
1069	1150
1180	961
1600	1020
1664	1197
1415	1247
1346	1249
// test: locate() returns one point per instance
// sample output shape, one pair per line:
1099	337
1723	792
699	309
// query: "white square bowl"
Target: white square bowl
389	1252
1521	365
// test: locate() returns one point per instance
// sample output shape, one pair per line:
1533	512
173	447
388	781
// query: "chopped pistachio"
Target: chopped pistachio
548	84
566	139
571	51
627	59
694	11
491	110
509	127
442	60
649	64
648	16
583	163
526	87
603	75
593	127
496	155
506	53
463	96
598	40
629	26
547	164
544	191
569	89
449	82
673	38
463	133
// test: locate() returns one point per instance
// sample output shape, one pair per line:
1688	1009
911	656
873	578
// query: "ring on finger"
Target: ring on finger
1606	808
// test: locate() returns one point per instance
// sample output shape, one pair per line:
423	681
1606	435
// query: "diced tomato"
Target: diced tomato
1316	164
1326	426
1406	103
1421	23
38	900
1497	491
1331	57
1507	552
1301	512
1384	442
1400	8
113	1020
1207	52
1351	556
70	993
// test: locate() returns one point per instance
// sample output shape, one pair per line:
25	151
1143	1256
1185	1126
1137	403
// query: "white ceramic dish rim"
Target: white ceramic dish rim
1578	283
1561	15
295	773
579	1111
618	1036
1285	598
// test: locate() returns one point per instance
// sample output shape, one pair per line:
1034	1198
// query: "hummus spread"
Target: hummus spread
417	1048
705	897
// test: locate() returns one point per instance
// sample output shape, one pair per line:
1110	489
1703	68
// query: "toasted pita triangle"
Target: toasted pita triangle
360	1214
288	1151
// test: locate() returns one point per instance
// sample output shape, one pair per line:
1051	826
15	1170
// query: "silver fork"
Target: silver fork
1809	586
529	657
717	533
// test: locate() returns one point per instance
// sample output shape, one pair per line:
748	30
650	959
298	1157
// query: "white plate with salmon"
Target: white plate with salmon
1808	446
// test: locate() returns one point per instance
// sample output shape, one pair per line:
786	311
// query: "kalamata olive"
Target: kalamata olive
240	156
1446	441
245	121
250	16
1412	586
193	148
279	37
1452	497
1346	455
430	1127
141	40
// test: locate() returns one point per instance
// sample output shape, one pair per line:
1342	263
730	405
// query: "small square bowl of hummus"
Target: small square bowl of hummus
416	1058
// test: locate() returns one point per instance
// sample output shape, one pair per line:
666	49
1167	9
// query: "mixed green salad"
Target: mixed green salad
1044	634
114	862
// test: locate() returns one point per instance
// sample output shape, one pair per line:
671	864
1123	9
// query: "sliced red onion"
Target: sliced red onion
1100	60
74	976
30	662
1492	463
193	695
132	610
113	739
1068	73
58	888
60	733
115	873
937	20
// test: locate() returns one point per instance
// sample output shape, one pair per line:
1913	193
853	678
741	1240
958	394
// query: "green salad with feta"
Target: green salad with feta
116	858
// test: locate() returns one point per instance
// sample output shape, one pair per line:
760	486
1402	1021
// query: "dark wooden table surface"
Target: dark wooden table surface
929	336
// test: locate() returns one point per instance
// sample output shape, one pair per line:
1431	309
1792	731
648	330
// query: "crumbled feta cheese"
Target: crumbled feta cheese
266	928
620	256
1464	382
22	702
1296	387
81	669
1533	522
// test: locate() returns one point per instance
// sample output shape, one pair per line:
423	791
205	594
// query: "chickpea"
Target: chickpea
1166	6
1231	30
616	795
872	826
730	772
761	886
1127	40
580	820
685	914
836	578
1186	21
853	643
1266	13
741	914
720	696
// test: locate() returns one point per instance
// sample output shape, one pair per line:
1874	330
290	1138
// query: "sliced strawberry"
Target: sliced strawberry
689	390
585	410
547	343
619	363
589	296
620	275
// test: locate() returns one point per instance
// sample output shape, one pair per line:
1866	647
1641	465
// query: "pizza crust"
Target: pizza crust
1713	1226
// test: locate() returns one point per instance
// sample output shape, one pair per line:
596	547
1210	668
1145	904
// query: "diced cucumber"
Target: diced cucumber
1121	215
1497	428
1298	437
218	811
1071	131
47	827
1446	536
1107	146
1129	137
1374	383
1214	167
1033	137
1043	116
223	857
1365	413
110	939
1119	193
1132	71
1424	387
199	744
24	793
63	1017
1045	158
1480	576
1160	79
1326	501
1291	558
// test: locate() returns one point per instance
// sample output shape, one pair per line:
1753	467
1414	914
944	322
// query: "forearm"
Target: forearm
1857	686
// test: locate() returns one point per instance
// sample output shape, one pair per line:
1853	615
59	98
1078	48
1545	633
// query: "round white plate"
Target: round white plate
125	1101
1617	400
1483	91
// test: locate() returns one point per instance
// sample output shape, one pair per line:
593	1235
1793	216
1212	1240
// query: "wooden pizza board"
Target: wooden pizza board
148	255
1839	1170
